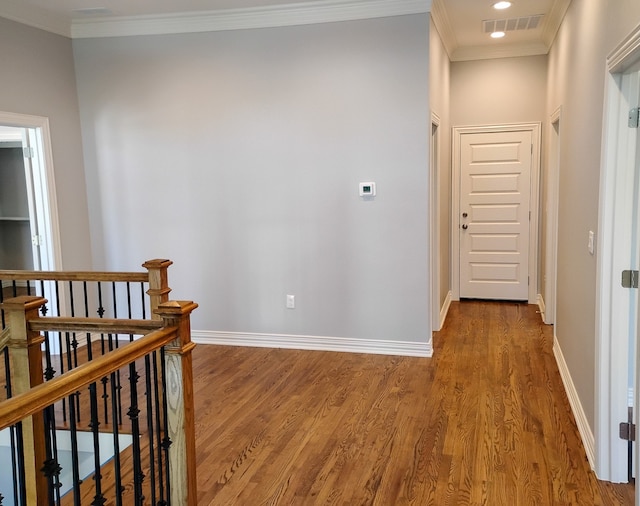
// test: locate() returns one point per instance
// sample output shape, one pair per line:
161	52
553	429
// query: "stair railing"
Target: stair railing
162	356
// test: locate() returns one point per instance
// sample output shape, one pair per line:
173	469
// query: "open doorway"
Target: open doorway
618	251
29	230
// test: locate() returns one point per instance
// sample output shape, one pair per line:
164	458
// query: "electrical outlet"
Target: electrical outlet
291	301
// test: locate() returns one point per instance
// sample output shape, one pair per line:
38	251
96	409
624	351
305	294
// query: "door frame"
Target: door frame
612	302
51	250
548	298
458	132
434	185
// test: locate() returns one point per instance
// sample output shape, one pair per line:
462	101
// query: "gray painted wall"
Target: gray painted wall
577	63
38	79
238	156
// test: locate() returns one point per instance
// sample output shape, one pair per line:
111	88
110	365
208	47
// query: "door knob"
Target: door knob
464	215
465	226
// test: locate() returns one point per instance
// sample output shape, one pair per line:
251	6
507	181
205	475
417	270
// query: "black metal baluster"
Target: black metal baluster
99	498
166	440
75	465
105	380
60	348
116	444
159	429
150	410
133	413
51	468
129	305
118	377
19	485
144	301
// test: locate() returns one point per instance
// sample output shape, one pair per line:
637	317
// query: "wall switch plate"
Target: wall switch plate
291	301
590	244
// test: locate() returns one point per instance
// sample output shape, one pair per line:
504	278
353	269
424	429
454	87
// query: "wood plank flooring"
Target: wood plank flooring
485	421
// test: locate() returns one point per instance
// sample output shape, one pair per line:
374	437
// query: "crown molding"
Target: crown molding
239	19
554	20
443	26
465	53
35	17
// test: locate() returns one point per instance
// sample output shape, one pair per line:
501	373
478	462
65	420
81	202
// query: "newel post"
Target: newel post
158	284
26	367
180	408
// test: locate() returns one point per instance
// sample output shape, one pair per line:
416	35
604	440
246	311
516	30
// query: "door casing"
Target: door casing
51	250
614	253
458	132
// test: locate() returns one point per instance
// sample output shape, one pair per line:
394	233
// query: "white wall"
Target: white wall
577	64
238	156
37	78
498	91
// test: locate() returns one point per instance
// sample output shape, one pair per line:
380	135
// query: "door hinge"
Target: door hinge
28	152
36	240
630	279
628	431
634	117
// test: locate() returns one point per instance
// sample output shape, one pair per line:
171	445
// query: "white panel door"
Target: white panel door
495	179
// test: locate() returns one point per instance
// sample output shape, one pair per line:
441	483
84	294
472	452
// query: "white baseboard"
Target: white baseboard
445	308
586	433
541	305
317	343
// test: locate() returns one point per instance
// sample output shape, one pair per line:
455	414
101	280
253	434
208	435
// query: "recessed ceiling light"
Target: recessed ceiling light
497	35
501	5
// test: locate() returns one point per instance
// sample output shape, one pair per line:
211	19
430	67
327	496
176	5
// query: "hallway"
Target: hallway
485	421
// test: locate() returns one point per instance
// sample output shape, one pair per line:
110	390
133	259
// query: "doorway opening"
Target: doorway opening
617	306
29	227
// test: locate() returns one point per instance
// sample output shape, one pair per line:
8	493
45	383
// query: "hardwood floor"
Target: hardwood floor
485	421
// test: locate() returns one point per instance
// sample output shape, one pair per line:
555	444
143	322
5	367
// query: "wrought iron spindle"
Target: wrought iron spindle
166	440
118	377
143	301
99	498
19	481
115	408
75	464
133	413
51	467
150	410
159	428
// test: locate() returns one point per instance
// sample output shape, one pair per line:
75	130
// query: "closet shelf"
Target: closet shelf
14	218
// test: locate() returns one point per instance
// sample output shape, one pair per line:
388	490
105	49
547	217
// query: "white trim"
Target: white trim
576	407
542	307
534	128
551	208
239	19
468	53
29	14
612	303
434	219
53	243
445	308
317	343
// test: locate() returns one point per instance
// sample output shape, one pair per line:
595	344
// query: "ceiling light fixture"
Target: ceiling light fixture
501	5
497	35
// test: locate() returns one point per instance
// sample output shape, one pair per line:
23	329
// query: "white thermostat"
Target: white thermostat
367	189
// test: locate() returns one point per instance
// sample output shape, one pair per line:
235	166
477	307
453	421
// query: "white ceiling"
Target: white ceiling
460	22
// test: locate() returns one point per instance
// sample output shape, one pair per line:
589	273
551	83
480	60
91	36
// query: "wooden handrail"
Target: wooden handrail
133	277
35	400
96	325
